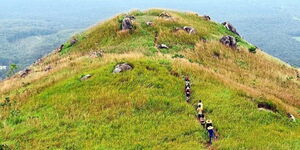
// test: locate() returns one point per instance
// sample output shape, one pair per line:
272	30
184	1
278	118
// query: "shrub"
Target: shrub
178	56
252	49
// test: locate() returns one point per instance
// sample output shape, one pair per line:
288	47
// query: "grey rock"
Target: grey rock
24	73
230	27
73	41
85	77
122	68
96	54
229	41
189	30
127	24
165	15
149	23
206	17
48	68
162	46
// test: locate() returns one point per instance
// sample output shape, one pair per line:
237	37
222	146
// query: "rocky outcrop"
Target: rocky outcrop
85	77
24	73
122	68
189	30
96	54
127	23
162	46
165	15
206	17
48	68
149	23
73	41
230	27
229	41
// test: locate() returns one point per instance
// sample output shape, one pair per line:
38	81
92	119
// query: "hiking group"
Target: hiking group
207	124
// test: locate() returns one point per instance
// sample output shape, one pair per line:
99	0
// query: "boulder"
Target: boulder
230	27
48	68
122	68
127	24
85	77
73	41
162	46
165	15
130	17
229	41
24	73
189	30
206	17
149	23
60	48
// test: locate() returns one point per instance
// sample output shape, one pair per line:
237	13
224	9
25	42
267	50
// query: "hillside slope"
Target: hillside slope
145	108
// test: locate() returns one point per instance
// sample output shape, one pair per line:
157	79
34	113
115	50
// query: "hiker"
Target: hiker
208	124
200	104
187	84
188	93
211	133
201	118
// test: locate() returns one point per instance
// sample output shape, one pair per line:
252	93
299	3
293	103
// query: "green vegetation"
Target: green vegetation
145	108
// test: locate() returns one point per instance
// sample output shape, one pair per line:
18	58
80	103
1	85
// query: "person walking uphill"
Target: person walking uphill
211	133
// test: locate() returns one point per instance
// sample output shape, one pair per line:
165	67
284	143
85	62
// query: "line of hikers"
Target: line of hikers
207	124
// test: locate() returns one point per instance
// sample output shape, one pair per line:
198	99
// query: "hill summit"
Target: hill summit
120	85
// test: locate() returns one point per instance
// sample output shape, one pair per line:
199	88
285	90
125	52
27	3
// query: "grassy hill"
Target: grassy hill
145	108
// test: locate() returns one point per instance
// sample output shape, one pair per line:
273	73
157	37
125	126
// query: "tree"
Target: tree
12	70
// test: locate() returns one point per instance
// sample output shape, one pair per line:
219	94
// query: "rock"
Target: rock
206	17
85	77
96	54
24	73
122	68
73	41
60	48
230	27
165	15
229	41
130	17
149	23
162	46
292	117
127	24
189	30
48	68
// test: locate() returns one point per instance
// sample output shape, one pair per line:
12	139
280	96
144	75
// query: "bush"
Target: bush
252	49
178	56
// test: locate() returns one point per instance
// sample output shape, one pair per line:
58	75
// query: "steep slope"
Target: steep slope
145	108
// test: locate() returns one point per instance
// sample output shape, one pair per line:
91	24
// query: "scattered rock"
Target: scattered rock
122	68
189	30
73	41
230	27
149	23
127	24
48	68
85	77
292	117
229	41
298	74
96	54
266	106
162	46
130	17
24	73
165	15
206	17
60	48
